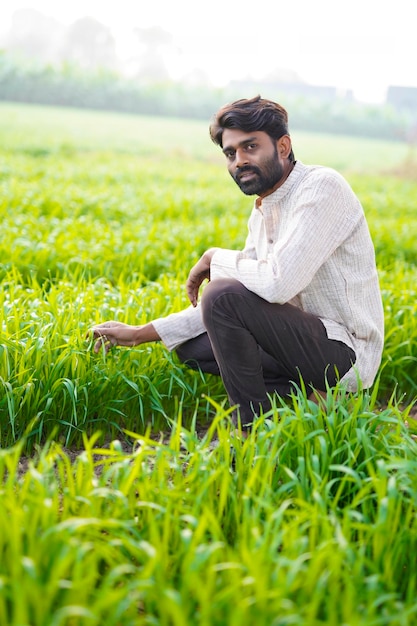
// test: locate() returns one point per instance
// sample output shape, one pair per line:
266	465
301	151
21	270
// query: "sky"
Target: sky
362	45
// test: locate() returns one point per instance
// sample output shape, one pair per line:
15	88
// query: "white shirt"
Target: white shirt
309	245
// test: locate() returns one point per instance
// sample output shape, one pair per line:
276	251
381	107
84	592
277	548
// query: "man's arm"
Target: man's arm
173	330
110	334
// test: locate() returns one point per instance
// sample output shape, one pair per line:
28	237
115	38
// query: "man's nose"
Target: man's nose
241	158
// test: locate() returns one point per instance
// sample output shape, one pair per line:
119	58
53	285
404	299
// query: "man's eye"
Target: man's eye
229	155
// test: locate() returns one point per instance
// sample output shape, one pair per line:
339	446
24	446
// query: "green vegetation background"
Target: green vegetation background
102	217
29	80
311	520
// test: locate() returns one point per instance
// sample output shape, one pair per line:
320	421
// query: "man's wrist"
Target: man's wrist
145	334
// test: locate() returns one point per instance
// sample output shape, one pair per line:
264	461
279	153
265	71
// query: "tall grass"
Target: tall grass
101	219
311	520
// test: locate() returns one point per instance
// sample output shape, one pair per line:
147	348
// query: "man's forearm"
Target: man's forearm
146	334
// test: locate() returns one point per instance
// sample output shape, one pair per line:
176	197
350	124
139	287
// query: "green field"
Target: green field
311	520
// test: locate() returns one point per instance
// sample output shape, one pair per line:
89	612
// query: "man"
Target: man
301	301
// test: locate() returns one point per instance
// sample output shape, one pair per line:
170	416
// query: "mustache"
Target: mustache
246	168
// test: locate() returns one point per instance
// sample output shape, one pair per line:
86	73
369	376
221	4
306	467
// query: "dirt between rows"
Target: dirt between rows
127	447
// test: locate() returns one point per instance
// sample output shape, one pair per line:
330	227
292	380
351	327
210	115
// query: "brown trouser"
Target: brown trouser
260	348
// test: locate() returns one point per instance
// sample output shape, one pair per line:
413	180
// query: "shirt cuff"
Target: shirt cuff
224	264
176	328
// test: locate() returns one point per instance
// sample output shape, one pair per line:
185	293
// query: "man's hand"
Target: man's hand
110	334
198	274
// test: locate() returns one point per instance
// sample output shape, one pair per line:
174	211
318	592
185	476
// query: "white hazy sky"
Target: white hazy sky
364	45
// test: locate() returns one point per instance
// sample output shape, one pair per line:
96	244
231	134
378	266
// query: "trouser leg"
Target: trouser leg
241	326
197	354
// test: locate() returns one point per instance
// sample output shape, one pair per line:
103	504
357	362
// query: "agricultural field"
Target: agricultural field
124	499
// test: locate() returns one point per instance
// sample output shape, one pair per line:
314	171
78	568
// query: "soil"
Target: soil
126	447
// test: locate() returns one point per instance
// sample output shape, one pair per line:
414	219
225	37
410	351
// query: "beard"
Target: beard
264	177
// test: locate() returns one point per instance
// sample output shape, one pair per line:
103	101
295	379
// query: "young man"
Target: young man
300	301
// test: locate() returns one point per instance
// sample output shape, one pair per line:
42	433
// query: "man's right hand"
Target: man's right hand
110	334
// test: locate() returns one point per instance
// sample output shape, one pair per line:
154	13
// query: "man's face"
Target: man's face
253	160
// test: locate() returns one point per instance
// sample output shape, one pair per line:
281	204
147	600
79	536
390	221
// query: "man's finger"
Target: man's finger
192	292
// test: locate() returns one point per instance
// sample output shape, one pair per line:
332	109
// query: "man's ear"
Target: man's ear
284	146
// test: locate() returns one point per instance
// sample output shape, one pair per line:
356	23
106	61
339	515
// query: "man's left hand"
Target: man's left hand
198	274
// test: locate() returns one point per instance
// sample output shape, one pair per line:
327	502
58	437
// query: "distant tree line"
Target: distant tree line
104	89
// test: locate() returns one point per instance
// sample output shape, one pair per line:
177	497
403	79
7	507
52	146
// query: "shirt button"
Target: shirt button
270	241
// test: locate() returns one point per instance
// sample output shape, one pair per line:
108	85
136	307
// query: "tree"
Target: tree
155	47
35	35
90	44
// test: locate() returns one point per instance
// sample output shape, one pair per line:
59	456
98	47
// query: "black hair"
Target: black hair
254	114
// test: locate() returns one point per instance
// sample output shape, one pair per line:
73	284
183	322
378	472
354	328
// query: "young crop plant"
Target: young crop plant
316	505
84	240
125	496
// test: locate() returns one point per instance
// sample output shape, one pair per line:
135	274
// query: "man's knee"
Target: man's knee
220	287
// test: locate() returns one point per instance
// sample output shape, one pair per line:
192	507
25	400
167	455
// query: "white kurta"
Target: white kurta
308	244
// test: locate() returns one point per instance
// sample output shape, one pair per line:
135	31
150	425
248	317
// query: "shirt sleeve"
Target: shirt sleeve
320	222
177	328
